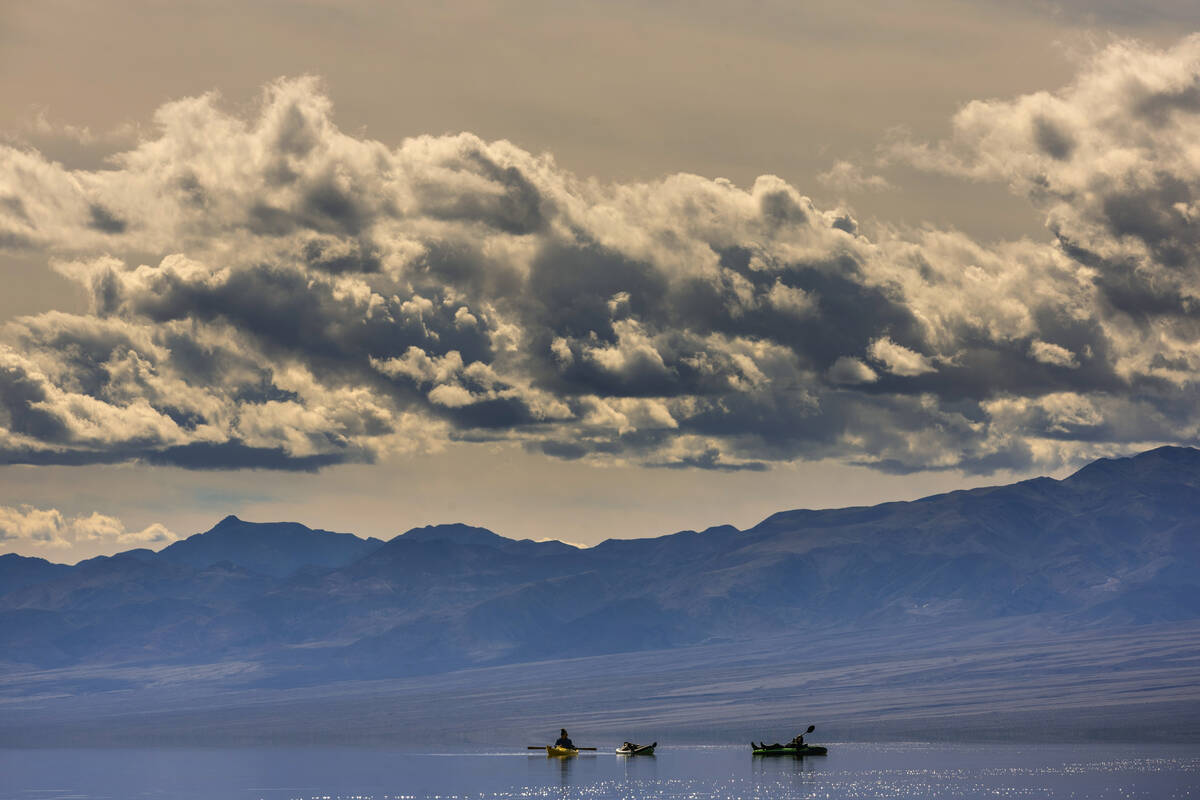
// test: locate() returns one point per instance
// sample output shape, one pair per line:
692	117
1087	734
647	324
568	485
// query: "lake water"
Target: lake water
852	770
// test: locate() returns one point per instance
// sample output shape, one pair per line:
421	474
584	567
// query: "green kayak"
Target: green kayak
806	750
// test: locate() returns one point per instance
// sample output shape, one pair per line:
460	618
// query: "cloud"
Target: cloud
77	146
268	291
49	528
1049	353
848	370
846	176
898	359
1110	161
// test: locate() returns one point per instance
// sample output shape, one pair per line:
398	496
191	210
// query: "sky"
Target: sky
581	270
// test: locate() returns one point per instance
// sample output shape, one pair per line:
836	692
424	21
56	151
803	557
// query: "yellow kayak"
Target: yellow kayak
551	750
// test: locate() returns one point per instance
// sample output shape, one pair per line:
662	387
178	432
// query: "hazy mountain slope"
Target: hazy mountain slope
127	608
17	571
977	681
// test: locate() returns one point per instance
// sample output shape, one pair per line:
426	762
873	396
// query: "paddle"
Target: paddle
811	728
543	747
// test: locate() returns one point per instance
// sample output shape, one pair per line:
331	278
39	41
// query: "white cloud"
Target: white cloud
847	370
451	396
1053	354
845	176
899	359
27	526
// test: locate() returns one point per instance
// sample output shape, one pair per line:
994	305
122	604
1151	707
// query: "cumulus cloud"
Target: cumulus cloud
49	528
269	291
1111	161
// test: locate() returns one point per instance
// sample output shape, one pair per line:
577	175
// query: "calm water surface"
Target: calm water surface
854	770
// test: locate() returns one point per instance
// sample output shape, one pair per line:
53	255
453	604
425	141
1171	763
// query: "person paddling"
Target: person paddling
564	740
798	740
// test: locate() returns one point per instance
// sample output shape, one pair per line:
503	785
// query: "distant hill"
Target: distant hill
473	536
1115	544
277	549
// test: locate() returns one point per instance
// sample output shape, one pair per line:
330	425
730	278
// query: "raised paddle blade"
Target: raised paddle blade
811	728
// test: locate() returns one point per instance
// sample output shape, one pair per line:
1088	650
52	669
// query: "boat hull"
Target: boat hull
560	752
807	750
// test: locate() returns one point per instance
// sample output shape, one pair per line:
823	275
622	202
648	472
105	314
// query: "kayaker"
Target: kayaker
564	740
798	740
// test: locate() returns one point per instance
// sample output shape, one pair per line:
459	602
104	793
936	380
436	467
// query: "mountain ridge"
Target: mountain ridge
277	549
1113	544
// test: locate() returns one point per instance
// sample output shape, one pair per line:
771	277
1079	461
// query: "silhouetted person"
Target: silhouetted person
564	740
798	740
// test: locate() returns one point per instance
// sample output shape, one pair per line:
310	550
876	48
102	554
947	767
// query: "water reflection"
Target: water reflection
639	767
565	765
775	766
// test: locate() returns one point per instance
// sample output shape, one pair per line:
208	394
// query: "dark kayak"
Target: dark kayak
637	750
806	750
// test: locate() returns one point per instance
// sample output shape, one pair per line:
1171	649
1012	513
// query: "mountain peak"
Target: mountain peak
470	536
278	549
456	532
1168	462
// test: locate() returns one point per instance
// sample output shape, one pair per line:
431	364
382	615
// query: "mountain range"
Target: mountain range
1112	547
1117	542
